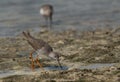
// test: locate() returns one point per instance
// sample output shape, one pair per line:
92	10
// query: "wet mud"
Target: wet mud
89	56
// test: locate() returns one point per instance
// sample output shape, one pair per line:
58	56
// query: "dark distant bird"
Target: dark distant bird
47	12
41	48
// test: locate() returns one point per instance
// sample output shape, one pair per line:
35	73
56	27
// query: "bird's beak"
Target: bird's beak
59	64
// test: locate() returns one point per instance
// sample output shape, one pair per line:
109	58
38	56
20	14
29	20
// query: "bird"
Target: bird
46	11
41	48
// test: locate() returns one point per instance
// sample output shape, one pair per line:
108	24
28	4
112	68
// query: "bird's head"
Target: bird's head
56	56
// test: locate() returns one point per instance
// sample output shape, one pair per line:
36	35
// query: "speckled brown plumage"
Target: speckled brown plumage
42	48
37	43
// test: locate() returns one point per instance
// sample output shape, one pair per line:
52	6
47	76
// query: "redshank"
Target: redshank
41	48
47	12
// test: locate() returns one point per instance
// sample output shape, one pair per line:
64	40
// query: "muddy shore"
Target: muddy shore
76	49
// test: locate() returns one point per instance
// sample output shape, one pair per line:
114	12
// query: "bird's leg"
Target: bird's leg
40	65
32	61
32	65
50	22
59	63
46	21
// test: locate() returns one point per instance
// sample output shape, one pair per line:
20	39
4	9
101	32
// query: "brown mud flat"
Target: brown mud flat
76	48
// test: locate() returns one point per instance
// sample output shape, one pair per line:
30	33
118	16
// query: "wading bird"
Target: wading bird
41	48
47	12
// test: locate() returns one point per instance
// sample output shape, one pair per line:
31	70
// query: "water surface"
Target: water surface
27	71
19	15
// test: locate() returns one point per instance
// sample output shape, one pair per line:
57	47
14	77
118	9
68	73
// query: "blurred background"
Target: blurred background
19	15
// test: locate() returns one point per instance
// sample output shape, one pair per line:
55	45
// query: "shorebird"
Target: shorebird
41	48
47	12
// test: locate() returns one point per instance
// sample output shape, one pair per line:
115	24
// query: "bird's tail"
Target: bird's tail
27	35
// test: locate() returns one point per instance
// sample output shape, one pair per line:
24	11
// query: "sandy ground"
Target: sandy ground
76	49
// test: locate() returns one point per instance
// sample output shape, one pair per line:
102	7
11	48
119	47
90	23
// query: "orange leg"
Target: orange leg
32	65
32	61
37	61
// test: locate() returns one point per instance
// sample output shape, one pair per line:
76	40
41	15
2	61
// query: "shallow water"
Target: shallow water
18	15
56	68
96	66
27	71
